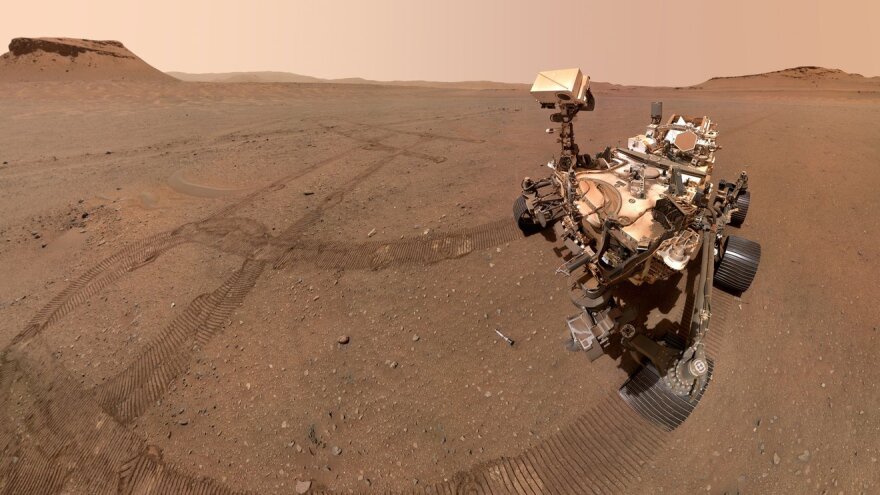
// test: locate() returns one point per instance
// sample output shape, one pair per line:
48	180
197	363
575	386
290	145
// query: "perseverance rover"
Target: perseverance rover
640	214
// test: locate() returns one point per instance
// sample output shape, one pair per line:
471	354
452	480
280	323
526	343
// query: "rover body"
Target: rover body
639	215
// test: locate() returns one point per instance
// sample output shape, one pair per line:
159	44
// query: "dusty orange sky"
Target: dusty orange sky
677	43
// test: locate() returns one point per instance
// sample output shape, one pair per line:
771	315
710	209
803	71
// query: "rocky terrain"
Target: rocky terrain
295	288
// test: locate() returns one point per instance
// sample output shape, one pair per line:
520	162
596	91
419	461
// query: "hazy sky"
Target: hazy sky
625	41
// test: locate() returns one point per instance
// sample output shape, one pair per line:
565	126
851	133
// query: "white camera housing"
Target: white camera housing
561	87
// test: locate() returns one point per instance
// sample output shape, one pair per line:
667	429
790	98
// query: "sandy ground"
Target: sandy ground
180	261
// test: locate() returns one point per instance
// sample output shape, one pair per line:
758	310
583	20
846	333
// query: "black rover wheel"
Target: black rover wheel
742	209
738	265
523	218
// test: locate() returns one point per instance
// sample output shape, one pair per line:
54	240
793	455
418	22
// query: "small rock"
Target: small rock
183	422
108	152
415	338
337	451
371	233
343	339
308	193
776	459
302	486
85	214
805	456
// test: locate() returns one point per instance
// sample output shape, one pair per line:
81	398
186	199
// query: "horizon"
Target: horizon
171	72
494	41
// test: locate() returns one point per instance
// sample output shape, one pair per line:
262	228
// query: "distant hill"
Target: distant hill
805	77
239	77
70	59
289	77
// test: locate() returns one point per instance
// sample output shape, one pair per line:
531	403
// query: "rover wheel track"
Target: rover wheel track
128	394
416	251
97	278
69	436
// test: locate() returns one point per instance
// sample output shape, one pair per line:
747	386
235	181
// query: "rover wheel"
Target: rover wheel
738	265
742	209
523	218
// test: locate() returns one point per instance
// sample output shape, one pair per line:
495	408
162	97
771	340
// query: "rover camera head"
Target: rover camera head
563	88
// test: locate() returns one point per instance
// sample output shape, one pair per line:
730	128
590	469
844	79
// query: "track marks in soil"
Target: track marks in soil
58	429
422	134
127	395
64	436
148	473
97	278
414	251
81	434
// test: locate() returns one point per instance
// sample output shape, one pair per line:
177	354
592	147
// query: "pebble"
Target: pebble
776	459
342	340
805	456
337	451
415	338
308	193
371	233
183	422
302	486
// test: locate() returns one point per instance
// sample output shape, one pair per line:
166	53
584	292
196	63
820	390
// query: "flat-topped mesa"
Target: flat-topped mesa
67	47
70	59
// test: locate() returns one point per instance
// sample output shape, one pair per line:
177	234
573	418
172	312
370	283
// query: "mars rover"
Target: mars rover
640	214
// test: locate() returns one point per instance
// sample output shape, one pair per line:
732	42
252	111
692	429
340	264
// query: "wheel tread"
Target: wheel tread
739	264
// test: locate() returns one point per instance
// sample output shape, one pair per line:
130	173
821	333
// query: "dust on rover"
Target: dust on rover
640	214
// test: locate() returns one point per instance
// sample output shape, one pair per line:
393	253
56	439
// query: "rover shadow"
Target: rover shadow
638	302
549	234
665	297
661	311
